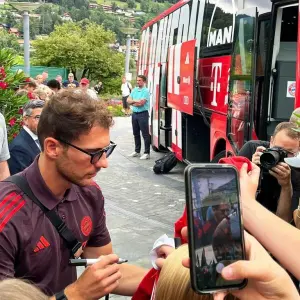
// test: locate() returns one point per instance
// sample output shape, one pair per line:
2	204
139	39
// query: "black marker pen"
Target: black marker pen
88	262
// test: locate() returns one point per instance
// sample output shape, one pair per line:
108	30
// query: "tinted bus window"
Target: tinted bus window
218	27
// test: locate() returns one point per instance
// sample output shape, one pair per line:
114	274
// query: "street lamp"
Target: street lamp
128	31
25	8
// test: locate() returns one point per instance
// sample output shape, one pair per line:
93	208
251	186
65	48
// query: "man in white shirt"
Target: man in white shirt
4	152
84	86
25	146
126	90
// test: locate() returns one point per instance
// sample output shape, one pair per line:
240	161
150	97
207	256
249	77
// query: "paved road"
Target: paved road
140	205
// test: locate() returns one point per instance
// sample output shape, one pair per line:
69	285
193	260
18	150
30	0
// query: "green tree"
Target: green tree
9	41
155	8
131	4
46	23
114	6
82	48
145	5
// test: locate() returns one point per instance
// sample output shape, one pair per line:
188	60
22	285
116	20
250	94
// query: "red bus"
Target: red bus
220	73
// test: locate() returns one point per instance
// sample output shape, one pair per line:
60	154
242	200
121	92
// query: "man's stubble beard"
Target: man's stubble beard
62	169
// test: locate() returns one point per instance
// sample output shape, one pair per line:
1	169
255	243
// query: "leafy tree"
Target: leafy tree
114	6
97	16
82	48
46	23
155	8
131	4
9	41
9	19
145	5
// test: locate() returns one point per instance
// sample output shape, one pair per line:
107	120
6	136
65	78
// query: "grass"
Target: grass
119	3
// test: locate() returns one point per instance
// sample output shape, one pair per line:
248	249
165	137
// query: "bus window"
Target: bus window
218	27
284	65
264	32
262	6
241	86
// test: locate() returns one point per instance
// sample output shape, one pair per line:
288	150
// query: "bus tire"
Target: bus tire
220	155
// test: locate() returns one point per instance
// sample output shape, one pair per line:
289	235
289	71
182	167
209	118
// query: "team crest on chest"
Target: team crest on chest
86	225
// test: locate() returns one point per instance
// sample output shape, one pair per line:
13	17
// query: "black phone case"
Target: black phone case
188	189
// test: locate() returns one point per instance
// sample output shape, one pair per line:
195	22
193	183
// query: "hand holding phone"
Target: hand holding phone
214	223
266	279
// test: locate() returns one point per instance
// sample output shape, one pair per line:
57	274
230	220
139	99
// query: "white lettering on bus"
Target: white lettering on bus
174	69
220	36
227	94
159	40
174	25
183	26
186	80
153	44
215	86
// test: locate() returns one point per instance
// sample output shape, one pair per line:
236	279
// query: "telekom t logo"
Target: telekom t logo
215	86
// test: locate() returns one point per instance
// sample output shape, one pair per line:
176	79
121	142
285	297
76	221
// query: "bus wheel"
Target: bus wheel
219	156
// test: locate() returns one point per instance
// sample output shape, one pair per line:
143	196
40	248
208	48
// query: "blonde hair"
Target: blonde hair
174	279
294	119
44	91
16	289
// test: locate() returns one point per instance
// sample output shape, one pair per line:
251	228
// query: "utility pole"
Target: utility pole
25	8
127	58
26	33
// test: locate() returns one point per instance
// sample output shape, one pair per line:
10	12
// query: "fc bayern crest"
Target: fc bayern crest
86	225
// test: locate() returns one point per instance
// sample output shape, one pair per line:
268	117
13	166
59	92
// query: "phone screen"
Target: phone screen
216	221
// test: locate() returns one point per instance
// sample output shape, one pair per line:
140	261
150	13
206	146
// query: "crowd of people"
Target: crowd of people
41	88
52	209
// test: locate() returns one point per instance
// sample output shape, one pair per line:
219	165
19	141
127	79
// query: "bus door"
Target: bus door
242	79
181	70
155	104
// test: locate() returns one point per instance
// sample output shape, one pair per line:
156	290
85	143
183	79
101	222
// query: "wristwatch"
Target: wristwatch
61	296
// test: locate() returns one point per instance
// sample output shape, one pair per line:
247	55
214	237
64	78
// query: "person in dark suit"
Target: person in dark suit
25	146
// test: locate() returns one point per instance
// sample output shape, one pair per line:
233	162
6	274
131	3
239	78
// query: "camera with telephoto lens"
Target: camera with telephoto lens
272	156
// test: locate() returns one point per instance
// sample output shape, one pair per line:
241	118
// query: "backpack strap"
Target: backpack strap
65	233
129	87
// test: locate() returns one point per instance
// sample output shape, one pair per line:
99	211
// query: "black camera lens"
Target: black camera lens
270	159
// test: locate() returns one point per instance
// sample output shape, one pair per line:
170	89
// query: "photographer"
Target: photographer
275	189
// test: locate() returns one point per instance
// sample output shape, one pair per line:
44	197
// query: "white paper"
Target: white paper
163	240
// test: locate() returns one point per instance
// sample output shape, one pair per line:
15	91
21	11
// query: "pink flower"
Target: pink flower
3	85
2	73
20	111
12	121
14	135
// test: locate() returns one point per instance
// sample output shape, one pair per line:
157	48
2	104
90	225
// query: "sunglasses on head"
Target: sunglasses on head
95	156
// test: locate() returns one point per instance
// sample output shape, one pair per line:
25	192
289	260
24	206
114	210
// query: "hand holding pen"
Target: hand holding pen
100	279
88	262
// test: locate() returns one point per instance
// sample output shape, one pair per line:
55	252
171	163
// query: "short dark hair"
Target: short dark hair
288	127
215	200
69	114
54	84
31	84
29	106
142	77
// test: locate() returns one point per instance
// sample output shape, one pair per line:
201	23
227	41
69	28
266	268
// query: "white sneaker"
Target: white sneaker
145	156
134	154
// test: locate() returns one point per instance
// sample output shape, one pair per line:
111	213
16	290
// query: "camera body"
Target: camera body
272	156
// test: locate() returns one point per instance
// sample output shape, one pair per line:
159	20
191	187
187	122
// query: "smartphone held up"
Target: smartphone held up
216	237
